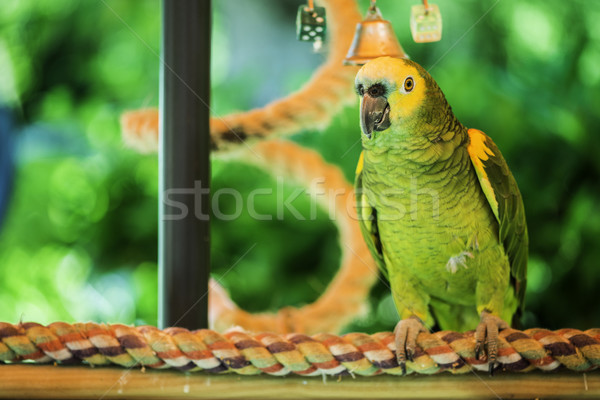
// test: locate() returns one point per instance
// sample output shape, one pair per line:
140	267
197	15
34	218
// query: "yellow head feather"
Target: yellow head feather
392	73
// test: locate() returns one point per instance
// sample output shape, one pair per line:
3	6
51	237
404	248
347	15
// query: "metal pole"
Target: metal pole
184	164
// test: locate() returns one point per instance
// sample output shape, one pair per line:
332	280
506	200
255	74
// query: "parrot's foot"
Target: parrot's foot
459	259
486	335
406	333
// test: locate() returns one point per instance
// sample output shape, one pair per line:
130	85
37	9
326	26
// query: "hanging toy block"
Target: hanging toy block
426	23
310	24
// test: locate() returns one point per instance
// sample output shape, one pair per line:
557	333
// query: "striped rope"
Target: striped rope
321	354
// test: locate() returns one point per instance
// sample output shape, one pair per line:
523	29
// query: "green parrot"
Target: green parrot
439	210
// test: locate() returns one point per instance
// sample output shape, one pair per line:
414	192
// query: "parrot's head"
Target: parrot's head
397	95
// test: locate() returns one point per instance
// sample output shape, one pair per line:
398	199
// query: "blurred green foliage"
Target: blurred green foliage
80	237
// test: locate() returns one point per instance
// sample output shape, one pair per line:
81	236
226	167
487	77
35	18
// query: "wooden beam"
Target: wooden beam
184	244
36	381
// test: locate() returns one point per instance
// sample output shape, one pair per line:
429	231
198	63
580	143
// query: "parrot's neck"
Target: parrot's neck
426	149
427	171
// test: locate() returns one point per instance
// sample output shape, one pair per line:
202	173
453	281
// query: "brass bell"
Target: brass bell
374	38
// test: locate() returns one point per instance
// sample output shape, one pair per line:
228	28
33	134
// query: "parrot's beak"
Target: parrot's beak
374	114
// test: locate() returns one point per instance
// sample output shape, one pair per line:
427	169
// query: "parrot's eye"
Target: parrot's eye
376	90
409	84
360	89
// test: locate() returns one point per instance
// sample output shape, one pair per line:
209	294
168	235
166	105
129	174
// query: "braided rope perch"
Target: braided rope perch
322	354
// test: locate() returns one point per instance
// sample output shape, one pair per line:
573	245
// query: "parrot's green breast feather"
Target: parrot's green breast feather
502	194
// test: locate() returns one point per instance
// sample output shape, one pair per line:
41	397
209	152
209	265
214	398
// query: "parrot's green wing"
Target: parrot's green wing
502	193
367	218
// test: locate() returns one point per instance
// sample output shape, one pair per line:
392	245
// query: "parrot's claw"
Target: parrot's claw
406	333
486	335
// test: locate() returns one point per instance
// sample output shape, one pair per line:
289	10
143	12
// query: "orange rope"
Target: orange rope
312	107
357	272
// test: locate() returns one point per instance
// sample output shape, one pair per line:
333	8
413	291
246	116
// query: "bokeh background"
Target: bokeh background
78	210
